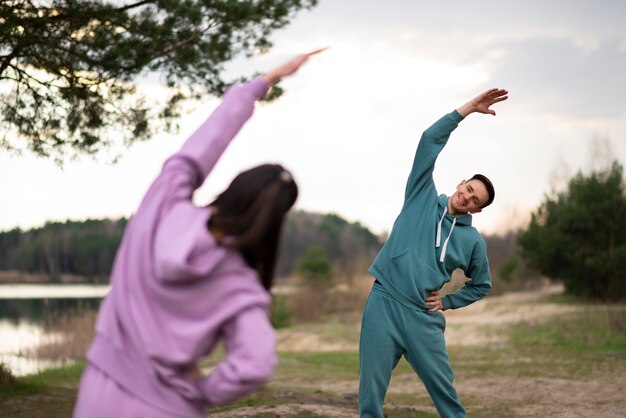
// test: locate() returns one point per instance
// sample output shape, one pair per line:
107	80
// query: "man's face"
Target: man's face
468	198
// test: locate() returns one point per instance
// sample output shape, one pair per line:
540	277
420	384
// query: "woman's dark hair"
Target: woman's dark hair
250	213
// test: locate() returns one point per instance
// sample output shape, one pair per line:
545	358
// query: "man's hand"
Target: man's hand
289	68
434	300
482	102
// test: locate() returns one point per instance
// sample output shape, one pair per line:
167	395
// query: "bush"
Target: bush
280	315
6	377
315	302
578	236
315	266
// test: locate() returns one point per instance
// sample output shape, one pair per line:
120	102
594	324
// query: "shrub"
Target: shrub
6	377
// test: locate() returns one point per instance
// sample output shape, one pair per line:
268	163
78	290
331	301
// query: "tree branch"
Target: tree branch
132	6
8	58
66	16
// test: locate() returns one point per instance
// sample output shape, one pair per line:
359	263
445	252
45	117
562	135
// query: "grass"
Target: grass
38	383
595	330
581	346
320	365
584	345
48	394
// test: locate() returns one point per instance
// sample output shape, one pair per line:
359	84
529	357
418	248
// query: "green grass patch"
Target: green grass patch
563	299
581	345
589	343
36	383
48	394
596	330
280	314
7	379
319	365
60	375
300	378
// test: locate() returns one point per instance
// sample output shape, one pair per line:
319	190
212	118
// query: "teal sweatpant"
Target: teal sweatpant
390	330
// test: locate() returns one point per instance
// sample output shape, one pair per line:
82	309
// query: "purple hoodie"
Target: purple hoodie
176	292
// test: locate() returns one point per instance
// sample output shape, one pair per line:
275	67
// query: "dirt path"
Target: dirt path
483	324
545	397
318	375
479	324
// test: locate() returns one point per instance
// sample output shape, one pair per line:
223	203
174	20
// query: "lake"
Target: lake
43	325
30	316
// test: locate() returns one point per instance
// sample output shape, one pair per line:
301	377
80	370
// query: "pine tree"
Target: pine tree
69	68
579	235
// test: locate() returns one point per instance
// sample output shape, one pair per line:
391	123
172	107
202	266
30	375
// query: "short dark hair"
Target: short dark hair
251	212
488	185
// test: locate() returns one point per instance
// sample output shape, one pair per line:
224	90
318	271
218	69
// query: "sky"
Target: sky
350	120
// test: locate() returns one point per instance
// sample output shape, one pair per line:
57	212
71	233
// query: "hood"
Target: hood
461	220
465	219
185	249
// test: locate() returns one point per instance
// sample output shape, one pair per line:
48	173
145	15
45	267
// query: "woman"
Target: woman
186	277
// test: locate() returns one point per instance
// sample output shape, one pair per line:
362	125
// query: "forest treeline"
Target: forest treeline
575	236
87	248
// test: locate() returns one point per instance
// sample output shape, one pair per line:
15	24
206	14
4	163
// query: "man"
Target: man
431	238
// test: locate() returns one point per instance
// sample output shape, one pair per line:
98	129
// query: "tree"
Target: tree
69	68
315	266
349	246
579	235
87	248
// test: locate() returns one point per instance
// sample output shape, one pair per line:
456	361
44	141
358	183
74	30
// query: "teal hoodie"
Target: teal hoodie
426	244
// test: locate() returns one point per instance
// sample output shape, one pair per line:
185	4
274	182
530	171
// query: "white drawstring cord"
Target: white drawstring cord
438	239
445	244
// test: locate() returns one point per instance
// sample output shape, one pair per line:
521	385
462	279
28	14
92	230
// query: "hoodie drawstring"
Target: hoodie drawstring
438	239
445	244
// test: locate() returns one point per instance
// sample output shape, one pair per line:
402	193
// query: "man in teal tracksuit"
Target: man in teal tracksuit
431	237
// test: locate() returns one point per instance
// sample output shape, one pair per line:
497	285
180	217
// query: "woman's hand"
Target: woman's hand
194	373
289	68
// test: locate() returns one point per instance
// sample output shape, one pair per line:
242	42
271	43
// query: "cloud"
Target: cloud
560	77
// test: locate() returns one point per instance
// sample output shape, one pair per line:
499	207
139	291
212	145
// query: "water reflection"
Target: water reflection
20	339
34	328
44	291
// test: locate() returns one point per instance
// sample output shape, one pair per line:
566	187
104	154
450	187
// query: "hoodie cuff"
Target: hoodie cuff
445	301
456	116
258	87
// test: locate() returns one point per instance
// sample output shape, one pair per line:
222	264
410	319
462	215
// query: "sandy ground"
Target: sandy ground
483	324
543	397
480	324
474	325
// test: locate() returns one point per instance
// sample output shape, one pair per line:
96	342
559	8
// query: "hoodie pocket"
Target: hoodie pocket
401	265
413	274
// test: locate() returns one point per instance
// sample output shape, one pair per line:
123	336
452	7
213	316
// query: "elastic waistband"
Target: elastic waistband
133	373
379	288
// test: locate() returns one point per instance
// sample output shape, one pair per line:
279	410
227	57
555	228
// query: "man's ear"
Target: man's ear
476	210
